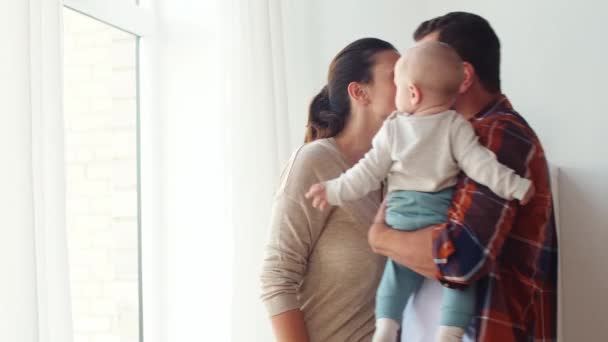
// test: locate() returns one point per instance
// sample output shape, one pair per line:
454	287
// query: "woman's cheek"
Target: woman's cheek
391	92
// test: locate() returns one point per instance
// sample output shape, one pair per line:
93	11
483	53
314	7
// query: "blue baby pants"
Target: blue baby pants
413	210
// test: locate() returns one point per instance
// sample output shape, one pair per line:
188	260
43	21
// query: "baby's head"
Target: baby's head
428	76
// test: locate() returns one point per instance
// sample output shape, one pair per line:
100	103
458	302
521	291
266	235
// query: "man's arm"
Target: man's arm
480	164
464	249
409	248
467	246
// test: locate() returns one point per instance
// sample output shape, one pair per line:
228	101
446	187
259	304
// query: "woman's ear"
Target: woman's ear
469	76
358	93
415	94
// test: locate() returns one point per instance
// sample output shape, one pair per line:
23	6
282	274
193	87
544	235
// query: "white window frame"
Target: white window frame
140	20
125	15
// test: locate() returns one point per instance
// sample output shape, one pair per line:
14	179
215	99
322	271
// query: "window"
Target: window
102	158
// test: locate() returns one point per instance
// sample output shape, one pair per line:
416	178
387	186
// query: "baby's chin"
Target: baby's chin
402	110
402	107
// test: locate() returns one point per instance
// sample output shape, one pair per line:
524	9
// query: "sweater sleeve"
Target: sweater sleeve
480	164
295	227
367	174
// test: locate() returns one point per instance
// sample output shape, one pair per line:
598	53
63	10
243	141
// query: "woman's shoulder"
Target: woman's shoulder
311	163
321	150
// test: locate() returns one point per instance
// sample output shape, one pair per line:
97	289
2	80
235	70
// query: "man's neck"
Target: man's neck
474	101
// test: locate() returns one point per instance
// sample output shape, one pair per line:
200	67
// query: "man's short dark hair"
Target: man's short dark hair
474	40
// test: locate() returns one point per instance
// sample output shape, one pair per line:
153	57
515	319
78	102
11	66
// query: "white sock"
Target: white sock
449	334
386	330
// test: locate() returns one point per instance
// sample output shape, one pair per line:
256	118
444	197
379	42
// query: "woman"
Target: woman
320	275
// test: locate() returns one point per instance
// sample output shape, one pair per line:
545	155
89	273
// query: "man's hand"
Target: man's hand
378	228
412	249
318	195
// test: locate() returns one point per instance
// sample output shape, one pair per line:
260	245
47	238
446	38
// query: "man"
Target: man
508	249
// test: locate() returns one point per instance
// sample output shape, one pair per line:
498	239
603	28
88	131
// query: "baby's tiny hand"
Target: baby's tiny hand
529	195
319	196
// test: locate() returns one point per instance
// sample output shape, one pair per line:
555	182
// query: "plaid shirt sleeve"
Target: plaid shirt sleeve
479	221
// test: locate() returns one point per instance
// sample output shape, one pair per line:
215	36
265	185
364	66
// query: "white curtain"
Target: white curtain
256	106
223	102
34	289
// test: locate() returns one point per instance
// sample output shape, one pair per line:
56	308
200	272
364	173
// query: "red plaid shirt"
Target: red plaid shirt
508	249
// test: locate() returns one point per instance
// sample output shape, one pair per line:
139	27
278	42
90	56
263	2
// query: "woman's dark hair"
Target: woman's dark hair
330	109
474	40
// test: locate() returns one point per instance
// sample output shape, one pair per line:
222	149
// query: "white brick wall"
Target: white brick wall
100	122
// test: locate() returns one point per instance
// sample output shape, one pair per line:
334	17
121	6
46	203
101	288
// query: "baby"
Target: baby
420	150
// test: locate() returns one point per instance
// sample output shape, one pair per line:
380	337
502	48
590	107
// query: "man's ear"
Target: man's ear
415	94
358	93
469	76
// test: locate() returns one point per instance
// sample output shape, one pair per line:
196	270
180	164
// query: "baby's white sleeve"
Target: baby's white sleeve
480	164
367	174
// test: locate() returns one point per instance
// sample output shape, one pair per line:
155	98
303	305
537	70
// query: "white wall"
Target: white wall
554	73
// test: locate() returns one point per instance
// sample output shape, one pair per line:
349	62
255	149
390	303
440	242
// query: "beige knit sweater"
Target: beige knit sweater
320	262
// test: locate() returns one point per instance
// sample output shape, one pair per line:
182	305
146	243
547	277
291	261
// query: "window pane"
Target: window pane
100	104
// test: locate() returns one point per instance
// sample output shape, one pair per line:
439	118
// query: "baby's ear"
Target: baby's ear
415	94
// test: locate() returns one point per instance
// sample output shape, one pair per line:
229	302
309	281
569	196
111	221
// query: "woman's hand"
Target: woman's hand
318	194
